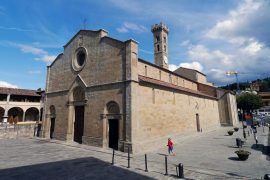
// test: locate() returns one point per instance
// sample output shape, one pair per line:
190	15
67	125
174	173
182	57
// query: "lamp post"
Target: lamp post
237	82
237	93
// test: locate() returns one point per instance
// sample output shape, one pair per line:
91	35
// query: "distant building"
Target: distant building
19	105
265	98
99	92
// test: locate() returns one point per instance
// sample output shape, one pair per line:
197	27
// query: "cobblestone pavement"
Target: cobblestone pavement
204	156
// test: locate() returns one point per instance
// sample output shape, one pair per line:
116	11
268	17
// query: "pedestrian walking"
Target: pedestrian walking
170	145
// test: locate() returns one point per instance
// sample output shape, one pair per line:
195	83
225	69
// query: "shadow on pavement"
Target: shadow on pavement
234	158
264	149
82	168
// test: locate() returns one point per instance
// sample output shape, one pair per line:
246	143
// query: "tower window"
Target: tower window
165	48
157	38
158	48
164	39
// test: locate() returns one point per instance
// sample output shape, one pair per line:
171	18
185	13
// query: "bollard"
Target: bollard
180	170
113	158
128	158
145	158
166	166
238	142
244	134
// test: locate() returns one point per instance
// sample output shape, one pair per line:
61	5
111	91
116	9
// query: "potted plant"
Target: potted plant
242	154
230	132
236	129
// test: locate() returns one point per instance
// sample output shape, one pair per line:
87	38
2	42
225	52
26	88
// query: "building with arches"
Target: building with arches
19	105
100	93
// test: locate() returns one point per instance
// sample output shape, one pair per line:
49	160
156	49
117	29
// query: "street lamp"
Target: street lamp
237	93
236	76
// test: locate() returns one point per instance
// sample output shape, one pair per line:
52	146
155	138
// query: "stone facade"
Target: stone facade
98	92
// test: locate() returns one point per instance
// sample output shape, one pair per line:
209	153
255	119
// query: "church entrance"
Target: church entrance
79	124
52	127
113	133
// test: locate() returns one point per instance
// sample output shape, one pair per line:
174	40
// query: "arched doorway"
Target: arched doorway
78	98
52	116
113	135
31	114
15	115
2	113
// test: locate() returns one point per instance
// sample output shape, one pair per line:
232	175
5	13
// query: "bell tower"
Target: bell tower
160	33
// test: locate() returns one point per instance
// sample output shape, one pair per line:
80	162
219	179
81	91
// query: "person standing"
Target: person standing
170	145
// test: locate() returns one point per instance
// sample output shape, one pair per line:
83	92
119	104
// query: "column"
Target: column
5	117
70	121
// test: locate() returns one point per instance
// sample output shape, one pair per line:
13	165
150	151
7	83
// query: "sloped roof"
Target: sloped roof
169	85
15	91
190	70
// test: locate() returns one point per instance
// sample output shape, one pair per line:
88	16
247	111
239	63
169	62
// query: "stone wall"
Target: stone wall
163	113
206	89
104	63
149	70
16	131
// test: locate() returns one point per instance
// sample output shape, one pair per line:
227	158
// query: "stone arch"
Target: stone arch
113	124
15	114
78	94
112	108
52	111
2	113
32	114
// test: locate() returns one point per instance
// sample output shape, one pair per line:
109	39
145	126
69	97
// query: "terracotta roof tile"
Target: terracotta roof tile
169	85
22	92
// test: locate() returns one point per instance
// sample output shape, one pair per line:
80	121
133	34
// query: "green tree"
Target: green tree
248	102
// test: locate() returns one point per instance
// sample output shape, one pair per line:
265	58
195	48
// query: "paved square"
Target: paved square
205	156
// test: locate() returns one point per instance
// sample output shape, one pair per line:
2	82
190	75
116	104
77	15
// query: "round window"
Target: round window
79	59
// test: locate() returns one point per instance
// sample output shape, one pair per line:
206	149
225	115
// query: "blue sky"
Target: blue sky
209	35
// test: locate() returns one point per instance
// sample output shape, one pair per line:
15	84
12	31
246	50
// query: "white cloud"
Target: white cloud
34	72
41	54
173	67
253	47
249	19
193	65
16	28
8	85
31	49
128	26
146	51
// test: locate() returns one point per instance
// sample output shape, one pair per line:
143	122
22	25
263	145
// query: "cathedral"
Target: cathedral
100	93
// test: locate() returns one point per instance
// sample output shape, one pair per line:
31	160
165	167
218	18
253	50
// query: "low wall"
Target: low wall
9	131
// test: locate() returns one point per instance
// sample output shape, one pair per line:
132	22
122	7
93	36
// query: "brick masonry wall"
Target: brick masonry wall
209	90
154	73
169	114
